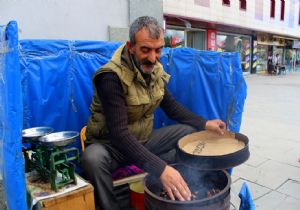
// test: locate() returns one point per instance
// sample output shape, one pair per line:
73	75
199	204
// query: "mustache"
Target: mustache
147	62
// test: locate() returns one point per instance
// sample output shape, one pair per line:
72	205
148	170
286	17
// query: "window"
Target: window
226	2
272	9
236	43
243	4
196	39
174	38
282	10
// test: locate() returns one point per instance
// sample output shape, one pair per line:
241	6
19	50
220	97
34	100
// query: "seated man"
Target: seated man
281	68
270	66
127	90
271	69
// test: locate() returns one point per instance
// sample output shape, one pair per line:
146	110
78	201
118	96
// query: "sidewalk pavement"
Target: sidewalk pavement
271	120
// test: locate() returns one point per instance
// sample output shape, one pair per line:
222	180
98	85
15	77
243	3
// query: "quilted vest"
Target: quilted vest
141	99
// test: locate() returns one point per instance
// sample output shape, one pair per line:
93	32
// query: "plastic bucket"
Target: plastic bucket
137	195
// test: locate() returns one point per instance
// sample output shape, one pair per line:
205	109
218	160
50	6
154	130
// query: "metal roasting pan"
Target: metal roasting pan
214	162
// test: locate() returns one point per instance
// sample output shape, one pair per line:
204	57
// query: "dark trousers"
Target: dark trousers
99	161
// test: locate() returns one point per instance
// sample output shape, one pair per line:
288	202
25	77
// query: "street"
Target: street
271	120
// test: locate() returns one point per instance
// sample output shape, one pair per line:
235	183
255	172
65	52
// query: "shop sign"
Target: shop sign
211	39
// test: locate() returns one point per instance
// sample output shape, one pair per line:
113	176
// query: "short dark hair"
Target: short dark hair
149	23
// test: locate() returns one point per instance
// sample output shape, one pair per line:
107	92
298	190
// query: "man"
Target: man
279	67
127	90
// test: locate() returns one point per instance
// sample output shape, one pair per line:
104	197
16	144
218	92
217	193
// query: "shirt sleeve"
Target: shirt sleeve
110	92
179	113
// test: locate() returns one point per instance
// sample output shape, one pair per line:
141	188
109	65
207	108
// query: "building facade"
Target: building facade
257	29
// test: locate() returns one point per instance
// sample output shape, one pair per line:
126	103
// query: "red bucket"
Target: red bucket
137	195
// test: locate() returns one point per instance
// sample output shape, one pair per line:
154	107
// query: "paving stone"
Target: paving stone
290	157
271	120
255	159
247	172
234	177
275	151
272	174
289	203
291	188
270	201
255	189
234	200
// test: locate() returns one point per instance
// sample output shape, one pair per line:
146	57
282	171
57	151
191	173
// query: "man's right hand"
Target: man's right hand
175	185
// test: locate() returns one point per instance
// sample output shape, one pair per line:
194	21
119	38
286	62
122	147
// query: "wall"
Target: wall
215	12
65	19
152	8
76	19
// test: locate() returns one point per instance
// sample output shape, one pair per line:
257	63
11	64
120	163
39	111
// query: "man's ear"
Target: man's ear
129	46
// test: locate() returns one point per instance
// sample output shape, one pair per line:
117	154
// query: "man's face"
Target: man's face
146	52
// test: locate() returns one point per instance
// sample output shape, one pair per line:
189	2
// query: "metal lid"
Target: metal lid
210	150
60	139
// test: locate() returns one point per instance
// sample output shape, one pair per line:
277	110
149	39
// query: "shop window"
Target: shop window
282	10
243	4
226	2
272	9
236	43
196	40
174	38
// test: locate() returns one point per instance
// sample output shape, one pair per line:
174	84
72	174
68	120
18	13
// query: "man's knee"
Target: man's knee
95	156
187	129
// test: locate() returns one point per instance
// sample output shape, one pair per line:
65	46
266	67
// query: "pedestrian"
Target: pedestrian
270	66
127	90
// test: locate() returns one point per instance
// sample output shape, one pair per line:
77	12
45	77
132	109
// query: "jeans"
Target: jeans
99	161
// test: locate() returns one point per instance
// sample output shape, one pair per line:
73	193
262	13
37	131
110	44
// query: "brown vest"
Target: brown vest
141	99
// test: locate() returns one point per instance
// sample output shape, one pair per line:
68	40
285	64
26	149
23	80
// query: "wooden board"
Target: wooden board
130	179
80	199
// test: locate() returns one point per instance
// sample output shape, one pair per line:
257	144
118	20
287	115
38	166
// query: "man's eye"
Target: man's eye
145	50
158	50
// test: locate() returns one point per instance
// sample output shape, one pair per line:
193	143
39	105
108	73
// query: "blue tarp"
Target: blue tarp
53	77
57	89
246	198
209	83
11	117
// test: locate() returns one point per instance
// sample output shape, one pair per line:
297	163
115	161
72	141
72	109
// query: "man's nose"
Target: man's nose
152	57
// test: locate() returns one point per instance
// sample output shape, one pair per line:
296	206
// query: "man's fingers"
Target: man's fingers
170	193
187	192
220	131
222	125
177	194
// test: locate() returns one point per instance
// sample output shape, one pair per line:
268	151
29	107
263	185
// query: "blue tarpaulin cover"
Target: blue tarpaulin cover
49	84
11	117
246	198
209	83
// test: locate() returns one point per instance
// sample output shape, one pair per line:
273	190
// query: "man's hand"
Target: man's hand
174	184
216	125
